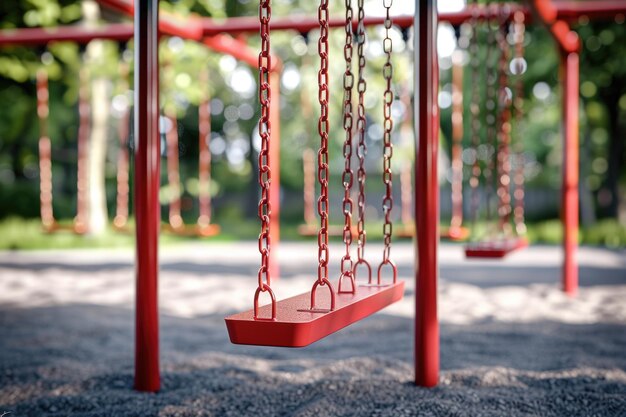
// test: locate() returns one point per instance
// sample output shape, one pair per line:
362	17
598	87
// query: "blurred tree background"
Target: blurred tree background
234	112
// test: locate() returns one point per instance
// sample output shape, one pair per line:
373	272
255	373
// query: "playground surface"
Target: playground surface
511	342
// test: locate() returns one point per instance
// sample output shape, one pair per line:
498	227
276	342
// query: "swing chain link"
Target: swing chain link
348	175
265	208
388	127
491	107
322	155
504	128
518	104
475	125
361	150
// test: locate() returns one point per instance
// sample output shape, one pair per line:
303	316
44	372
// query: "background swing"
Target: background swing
176	225
48	221
299	321
501	239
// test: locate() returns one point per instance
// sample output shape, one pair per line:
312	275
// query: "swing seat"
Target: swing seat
309	230
455	234
296	325
62	227
495	249
193	230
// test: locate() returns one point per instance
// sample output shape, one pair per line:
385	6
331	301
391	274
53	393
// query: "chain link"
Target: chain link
475	124
491	106
265	208
361	149
322	154
348	175
518	104
388	128
504	130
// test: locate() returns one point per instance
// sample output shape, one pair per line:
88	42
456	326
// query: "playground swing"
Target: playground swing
49	223
503	240
120	221
299	321
203	226
456	231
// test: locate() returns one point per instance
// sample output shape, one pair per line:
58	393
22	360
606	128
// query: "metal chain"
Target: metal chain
518	104
322	154
475	124
491	116
121	210
265	208
347	177
387	202
204	154
45	151
504	131
361	149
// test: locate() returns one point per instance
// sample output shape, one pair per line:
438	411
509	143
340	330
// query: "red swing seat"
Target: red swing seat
495	249
296	325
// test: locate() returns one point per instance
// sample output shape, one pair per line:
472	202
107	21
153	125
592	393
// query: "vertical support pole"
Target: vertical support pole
426	194
275	182
570	82
147	209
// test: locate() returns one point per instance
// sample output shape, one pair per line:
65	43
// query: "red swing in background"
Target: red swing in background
48	221
504	239
299	321
456	231
176	225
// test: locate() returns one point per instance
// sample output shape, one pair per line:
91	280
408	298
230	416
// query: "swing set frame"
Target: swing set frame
149	24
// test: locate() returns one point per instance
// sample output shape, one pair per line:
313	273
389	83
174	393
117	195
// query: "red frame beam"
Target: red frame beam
147	206
78	34
426	194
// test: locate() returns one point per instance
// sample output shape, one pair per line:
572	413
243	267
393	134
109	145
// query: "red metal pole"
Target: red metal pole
570	79
426	194
147	209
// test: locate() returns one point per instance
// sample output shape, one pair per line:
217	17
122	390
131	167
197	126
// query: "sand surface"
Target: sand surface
511	343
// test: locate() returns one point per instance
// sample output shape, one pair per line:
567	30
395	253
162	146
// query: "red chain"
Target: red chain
387	145
265	208
204	154
45	152
322	154
475	124
347	177
504	132
121	210
491	115
361	149
518	104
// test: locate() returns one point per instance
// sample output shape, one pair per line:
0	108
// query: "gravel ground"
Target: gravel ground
511	343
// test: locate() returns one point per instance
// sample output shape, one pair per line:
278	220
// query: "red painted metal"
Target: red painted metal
495	248
77	34
189	27
570	82
456	231
296	324
426	194
121	210
146	190
569	45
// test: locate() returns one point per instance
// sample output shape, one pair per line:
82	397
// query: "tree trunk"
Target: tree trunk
616	151
97	220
